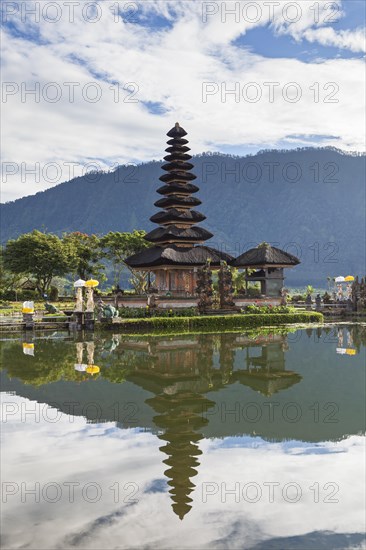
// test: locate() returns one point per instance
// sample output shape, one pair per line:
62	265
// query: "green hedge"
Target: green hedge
218	322
145	312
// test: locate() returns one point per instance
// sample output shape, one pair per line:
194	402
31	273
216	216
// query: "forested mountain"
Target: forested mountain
310	202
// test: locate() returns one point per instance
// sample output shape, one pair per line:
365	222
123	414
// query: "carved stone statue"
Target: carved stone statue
151	301
79	352
284	293
358	294
50	308
90	300
204	288
109	311
90	348
79	300
225	287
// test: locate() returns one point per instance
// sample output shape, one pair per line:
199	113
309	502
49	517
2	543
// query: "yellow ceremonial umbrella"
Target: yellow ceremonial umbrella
350	351
91	283
349	278
92	369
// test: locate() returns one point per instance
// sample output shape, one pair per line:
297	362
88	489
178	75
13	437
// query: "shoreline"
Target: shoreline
179	325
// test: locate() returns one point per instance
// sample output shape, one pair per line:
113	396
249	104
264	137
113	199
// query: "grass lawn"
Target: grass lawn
10	308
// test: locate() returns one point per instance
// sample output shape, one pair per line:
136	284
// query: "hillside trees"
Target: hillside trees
84	252
41	256
118	246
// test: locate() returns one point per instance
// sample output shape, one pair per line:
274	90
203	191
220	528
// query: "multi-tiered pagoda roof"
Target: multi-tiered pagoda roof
178	240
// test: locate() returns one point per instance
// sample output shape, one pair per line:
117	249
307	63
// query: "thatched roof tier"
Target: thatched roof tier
268	383
177	219
177	148
178	156
177	176
177	141
172	215
177	165
173	200
179	188
174	255
177	131
178	234
264	256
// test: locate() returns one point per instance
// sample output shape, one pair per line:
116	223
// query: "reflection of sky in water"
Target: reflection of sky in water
131	460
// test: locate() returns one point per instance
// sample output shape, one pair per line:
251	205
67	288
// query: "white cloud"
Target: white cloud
169	66
327	36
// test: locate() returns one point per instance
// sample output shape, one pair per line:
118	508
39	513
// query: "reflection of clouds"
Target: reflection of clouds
315	541
73	451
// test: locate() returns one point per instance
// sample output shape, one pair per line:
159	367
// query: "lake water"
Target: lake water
236	440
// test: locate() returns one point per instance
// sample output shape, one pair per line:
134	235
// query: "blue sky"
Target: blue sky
109	84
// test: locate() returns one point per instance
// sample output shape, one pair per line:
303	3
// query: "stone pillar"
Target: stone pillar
89	321
28	319
79	317
79	299
90	300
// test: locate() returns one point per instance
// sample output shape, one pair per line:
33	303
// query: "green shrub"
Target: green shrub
254	309
133	312
53	294
21	295
146	312
216	322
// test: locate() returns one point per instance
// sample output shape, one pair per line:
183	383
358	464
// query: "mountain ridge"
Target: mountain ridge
309	201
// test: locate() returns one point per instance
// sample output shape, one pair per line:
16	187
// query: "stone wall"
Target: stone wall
165	302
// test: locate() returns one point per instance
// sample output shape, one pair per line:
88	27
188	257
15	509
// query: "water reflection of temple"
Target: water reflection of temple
345	342
179	372
266	372
178	386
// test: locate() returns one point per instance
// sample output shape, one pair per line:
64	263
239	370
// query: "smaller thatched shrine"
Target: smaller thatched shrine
268	263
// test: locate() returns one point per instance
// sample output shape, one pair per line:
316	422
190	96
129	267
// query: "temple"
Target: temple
268	263
178	249
178	242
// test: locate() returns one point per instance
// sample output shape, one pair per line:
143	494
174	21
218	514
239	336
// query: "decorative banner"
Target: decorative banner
28	307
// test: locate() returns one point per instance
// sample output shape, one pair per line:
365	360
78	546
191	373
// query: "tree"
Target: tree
38	255
9	281
309	290
118	246
238	279
84	254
